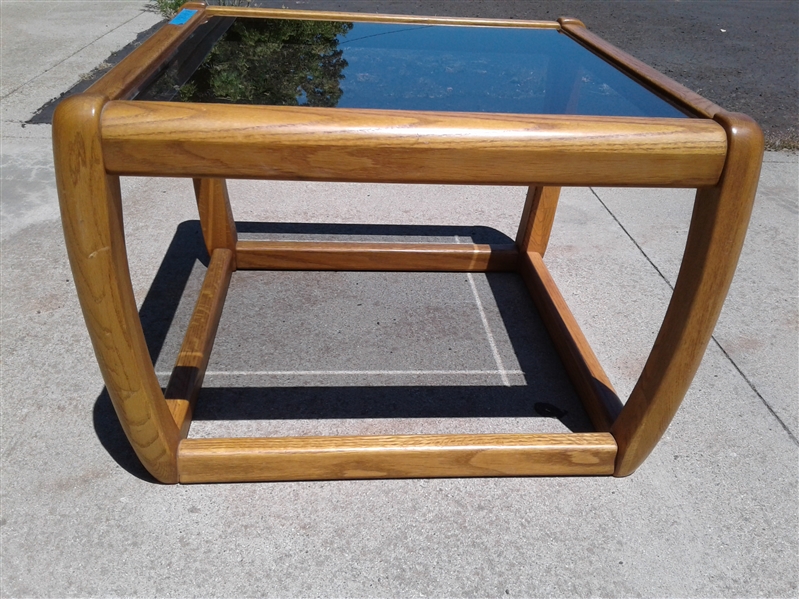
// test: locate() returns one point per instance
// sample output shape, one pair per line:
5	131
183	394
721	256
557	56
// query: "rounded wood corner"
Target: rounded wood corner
198	5
75	111
571	21
745	138
617	473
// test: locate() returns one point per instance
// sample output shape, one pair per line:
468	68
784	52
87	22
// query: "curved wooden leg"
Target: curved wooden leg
216	217
91	214
718	228
537	218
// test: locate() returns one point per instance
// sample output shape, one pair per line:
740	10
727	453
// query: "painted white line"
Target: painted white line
500	367
349	372
501	371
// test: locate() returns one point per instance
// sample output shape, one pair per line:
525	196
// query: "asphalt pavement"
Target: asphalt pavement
743	55
713	512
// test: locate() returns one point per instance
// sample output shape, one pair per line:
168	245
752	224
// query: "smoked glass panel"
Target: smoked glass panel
398	66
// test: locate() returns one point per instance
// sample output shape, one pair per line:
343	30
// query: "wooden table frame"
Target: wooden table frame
99	135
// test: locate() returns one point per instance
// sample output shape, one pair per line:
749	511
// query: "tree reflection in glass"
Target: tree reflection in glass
272	61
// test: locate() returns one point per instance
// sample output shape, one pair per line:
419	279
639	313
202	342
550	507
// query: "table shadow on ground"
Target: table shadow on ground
533	350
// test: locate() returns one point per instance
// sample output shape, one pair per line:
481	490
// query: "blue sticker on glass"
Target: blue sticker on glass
183	16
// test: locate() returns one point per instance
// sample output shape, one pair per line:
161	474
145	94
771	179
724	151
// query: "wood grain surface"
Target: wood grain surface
216	216
405	456
538	215
316	15
716	235
404	257
91	214
302	143
187	376
589	379
124	79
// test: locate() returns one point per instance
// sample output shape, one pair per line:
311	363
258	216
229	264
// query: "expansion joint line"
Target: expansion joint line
787	430
75	53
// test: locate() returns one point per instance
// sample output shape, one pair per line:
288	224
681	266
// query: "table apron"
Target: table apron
299	143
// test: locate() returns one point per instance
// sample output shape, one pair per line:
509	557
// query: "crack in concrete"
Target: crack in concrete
60	62
752	386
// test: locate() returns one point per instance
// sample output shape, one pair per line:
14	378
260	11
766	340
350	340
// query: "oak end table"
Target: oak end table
223	92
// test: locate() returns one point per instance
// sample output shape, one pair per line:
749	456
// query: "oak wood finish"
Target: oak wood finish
407	257
537	218
302	143
403	456
715	237
565	21
187	376
124	79
216	217
96	140
589	379
314	15
91	214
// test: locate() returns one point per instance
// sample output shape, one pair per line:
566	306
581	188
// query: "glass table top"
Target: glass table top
397	66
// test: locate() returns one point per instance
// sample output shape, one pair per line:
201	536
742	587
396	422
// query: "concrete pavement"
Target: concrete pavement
713	511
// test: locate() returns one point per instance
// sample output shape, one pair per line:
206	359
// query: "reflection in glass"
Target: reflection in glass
272	61
400	66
